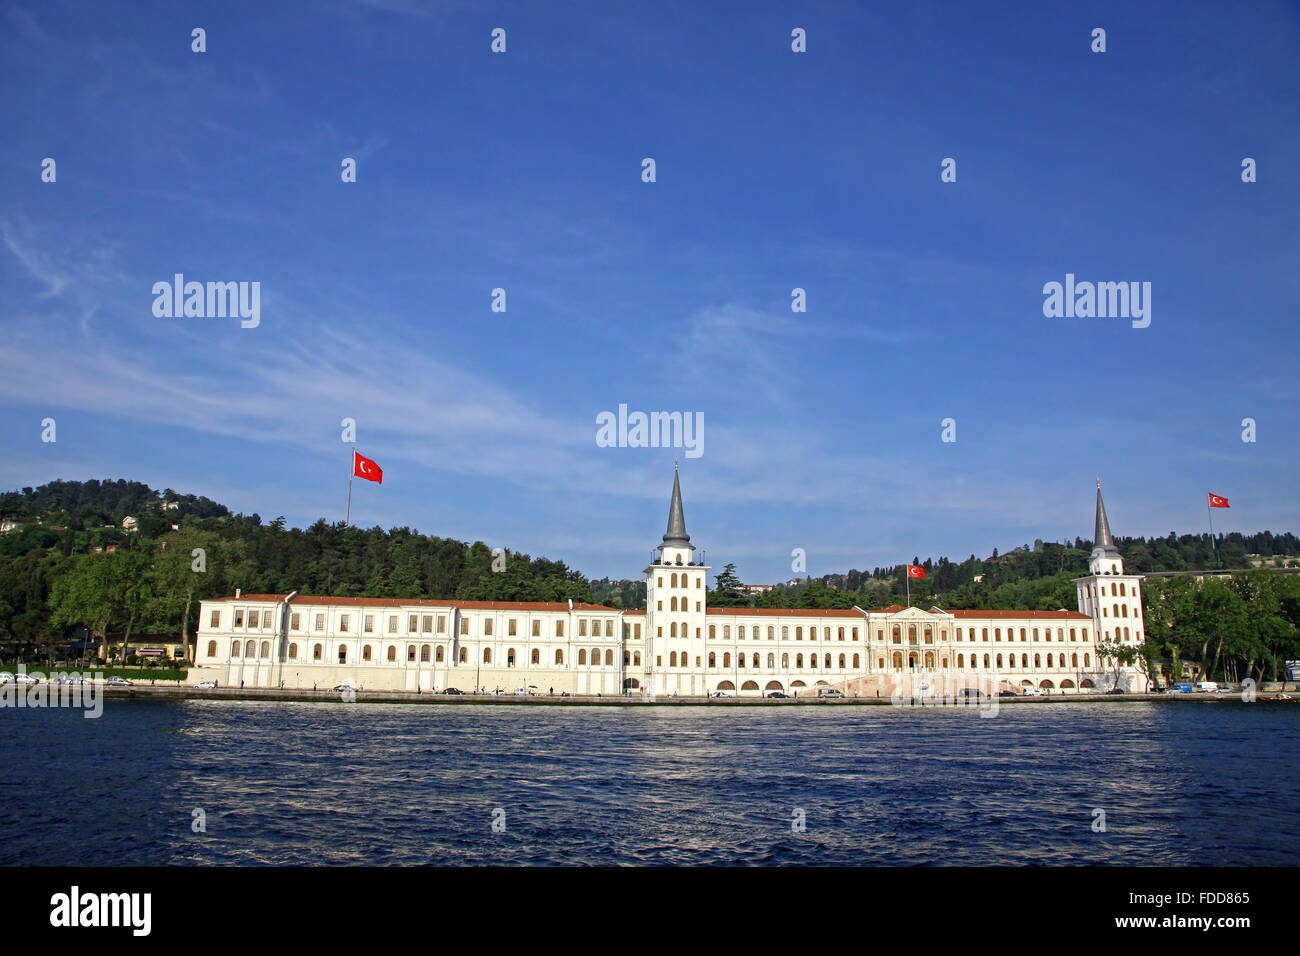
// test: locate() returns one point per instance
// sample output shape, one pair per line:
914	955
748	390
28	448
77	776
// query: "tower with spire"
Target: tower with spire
676	608
1113	599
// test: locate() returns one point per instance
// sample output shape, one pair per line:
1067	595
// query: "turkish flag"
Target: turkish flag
915	571
1218	502
363	467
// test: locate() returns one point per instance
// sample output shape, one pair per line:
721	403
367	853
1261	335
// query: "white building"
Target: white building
677	645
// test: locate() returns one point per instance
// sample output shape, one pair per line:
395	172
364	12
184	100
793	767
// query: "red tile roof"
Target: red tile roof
1051	615
314	599
787	611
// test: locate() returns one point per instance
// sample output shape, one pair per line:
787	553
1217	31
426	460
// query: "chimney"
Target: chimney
236	592
570	604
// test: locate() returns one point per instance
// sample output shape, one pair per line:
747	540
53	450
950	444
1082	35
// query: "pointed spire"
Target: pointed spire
1101	537
676	535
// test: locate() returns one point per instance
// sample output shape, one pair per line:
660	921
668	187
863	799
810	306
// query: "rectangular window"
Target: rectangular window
295	620
609	628
638	632
511	628
343	622
464	625
392	625
370	624
411	623
239	618
582	627
426	624
215	620
320	622
559	628
487	627
537	627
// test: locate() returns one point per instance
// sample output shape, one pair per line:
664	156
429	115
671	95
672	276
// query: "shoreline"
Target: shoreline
186	692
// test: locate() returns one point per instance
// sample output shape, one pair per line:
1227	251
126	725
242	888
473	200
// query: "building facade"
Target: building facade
678	645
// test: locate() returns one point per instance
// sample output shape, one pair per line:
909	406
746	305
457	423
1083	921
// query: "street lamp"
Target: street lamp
284	636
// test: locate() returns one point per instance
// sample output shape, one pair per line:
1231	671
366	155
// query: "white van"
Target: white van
1207	687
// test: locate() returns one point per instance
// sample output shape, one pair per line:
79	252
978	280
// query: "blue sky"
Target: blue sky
775	170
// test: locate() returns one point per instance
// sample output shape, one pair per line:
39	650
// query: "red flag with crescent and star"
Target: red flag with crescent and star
1218	501
364	467
915	571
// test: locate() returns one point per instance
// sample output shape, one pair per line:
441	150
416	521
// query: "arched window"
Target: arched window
365	653
487	655
999	660
1038	661
712	662
785	661
392	652
911	633
672	604
856	658
582	656
425	651
713	631
559	657
535	659
771	633
672	658
726	660
898	634
986	662
234	649
673	583
250	649
842	661
672	630
771	662
440	654
293	652
317	652
929	634
343	654
212	648
961	661
798	660
740	660
266	649
595	657
898	660
464	655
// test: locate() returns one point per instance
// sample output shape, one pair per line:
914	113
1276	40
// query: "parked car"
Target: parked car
119	682
1117	690
830	692
207	684
777	694
721	694
1033	692
1001	693
1207	687
453	692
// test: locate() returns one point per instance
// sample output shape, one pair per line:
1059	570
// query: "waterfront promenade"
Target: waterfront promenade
186	692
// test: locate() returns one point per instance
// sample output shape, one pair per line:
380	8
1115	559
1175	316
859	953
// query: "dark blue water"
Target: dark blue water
1185	783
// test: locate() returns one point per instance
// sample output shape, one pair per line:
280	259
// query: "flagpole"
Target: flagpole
351	468
909	585
1209	513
